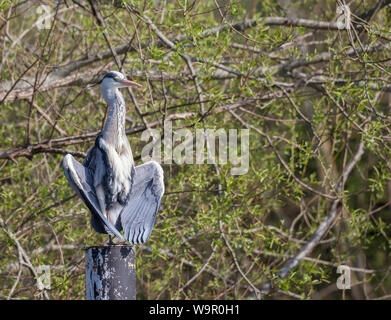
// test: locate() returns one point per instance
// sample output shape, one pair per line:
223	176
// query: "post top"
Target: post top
109	246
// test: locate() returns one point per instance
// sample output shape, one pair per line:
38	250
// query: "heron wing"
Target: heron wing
139	215
81	181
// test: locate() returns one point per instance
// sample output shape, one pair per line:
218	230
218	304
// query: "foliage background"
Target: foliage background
316	99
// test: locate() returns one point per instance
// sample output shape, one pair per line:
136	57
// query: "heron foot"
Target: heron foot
110	243
116	242
122	243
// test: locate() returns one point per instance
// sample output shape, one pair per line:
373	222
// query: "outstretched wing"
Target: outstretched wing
81	181
139	215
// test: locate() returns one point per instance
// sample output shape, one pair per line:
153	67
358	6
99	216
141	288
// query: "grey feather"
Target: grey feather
119	195
139	215
80	179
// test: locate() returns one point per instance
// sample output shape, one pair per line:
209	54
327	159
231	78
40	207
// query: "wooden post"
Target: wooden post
111	273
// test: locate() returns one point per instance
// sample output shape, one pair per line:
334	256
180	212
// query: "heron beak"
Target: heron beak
129	83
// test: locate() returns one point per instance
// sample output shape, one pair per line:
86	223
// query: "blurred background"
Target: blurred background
309	79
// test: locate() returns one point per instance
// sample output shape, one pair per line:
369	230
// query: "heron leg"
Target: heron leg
110	240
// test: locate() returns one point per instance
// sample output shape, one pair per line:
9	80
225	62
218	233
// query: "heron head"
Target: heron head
115	79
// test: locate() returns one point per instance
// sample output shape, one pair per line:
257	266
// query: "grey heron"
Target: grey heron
119	195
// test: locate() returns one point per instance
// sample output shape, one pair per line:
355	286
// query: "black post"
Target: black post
111	273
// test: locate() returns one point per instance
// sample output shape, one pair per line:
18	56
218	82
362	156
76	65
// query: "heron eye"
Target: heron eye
116	78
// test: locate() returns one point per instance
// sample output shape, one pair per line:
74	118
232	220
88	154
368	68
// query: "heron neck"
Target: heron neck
114	128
